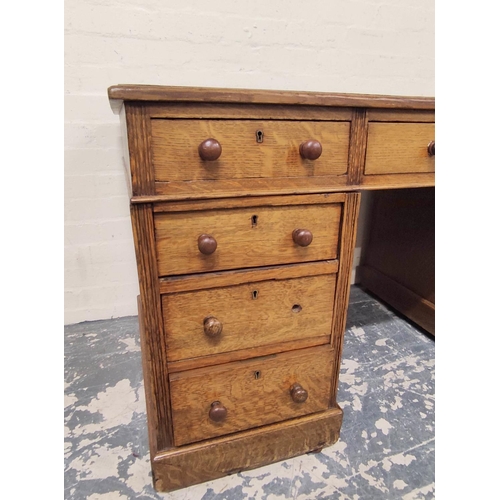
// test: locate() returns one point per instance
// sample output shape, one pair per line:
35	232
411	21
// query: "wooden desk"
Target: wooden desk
244	207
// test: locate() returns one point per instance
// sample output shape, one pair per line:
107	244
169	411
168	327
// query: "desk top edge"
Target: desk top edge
159	93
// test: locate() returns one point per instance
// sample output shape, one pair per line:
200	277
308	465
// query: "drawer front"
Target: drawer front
218	320
397	148
247	237
214	401
176	158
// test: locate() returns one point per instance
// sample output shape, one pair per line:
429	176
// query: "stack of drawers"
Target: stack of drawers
244	253
248	294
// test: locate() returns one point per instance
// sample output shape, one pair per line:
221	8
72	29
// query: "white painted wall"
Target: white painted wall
363	46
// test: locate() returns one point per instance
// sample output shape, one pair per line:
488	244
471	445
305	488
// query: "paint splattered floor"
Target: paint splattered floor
386	446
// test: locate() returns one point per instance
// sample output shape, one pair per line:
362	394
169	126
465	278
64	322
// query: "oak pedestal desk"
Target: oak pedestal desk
244	207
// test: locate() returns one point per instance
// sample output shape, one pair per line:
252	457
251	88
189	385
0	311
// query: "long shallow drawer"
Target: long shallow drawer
214	401
259	313
248	149
397	148
218	239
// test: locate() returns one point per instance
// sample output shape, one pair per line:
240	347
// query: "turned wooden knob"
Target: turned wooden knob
210	150
218	412
310	150
212	327
302	237
431	148
207	244
298	393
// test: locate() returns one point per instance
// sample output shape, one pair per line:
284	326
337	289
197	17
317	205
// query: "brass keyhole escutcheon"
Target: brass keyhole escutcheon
255	294
259	136
255	218
257	374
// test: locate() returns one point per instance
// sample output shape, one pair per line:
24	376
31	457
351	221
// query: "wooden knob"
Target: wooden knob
210	150
218	412
310	150
212	327
207	244
302	237
298	393
431	148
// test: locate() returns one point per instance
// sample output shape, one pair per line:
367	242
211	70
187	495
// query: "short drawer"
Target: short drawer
260	313
248	149
219	239
214	401
397	148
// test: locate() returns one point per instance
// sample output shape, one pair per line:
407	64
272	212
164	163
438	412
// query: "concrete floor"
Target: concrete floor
386	446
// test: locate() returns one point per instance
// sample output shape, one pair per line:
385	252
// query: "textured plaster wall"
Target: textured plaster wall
383	47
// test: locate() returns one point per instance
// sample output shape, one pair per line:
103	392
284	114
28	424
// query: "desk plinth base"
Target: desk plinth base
193	464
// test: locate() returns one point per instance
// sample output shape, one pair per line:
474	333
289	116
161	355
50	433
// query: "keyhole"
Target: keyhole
254	294
259	135
254	220
257	375
296	308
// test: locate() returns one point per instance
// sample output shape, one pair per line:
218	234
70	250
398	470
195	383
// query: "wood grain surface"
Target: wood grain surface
252	315
240	188
148	384
349	223
175	149
220	279
255	392
396	181
245	111
243	243
258	96
399	148
151	325
251	352
254	201
214	458
139	150
391	115
357	146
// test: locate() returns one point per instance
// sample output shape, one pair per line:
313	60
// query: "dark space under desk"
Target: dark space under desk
399	259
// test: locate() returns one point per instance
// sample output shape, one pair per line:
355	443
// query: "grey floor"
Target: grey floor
386	446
